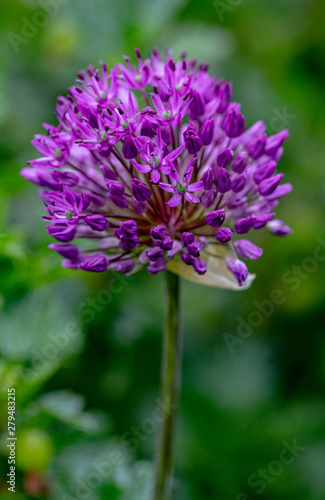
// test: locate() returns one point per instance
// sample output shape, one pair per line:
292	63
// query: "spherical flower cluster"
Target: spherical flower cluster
152	163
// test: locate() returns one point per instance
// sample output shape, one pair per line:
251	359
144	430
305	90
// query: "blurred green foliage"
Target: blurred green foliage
86	375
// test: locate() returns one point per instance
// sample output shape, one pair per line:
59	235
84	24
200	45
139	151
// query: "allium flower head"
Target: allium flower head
152	166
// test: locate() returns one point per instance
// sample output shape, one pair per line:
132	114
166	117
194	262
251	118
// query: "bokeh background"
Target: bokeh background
87	374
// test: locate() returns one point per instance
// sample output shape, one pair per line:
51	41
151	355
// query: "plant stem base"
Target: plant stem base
170	389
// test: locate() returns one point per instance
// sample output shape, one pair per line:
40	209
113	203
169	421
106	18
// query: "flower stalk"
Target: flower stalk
170	389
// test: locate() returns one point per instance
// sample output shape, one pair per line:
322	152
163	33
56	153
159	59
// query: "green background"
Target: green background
87	374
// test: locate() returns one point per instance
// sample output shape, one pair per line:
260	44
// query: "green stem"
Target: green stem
170	388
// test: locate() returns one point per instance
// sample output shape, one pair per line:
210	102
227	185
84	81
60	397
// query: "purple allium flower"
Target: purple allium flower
166	183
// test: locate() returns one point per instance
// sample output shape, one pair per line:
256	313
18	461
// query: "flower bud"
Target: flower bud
95	263
215	218
200	266
188	259
116	188
280	191
130	149
40	177
96	222
242	226
67	251
128	227
193	142
264	171
197	105
247	250
262	219
125	266
206	132
140	191
207	179
194	249
147	129
119	201
233	123
66	177
224	158
240	162
208	198
166	243
62	232
223	235
140	207
274	142
108	173
187	239
177	247
223	182
256	149
239	269
128	242
158	233
157	266
269	185
238	183
236	201
154	254
224	96
278	228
